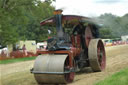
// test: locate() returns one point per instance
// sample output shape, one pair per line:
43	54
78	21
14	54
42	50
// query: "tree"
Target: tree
117	26
105	33
34	30
20	19
124	24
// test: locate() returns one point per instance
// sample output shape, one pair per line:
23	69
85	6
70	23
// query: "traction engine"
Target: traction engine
75	46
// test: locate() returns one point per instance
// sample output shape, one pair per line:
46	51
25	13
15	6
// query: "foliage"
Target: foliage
20	19
105	33
113	26
119	78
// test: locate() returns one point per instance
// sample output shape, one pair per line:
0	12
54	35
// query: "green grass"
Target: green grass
16	60
119	78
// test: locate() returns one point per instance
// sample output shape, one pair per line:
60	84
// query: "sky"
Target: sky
92	8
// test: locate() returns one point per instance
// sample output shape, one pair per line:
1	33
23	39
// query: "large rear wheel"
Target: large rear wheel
96	54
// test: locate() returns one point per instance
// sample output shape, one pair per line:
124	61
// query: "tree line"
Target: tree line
113	26
20	20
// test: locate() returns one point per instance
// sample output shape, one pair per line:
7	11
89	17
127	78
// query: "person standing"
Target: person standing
24	50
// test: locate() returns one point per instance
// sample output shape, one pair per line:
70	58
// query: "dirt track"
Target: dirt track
19	74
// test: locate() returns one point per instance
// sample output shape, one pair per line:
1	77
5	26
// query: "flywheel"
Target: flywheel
88	35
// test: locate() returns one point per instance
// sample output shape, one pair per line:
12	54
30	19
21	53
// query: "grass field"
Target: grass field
119	78
16	60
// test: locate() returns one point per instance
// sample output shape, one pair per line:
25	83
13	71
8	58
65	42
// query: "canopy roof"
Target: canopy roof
67	19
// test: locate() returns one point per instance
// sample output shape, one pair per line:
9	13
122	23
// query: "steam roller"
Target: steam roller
75	46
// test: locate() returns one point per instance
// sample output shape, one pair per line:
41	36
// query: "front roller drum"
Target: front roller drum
51	69
96	54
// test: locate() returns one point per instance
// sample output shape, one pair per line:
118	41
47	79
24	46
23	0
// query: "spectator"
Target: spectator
24	50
